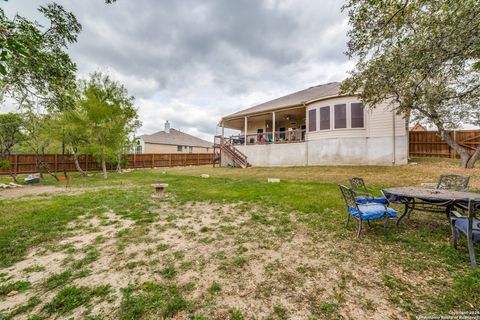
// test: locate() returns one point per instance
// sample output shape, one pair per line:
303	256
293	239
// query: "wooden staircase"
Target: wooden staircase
226	147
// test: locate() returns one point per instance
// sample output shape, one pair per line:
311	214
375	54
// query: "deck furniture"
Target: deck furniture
362	194
469	226
365	211
453	182
429	200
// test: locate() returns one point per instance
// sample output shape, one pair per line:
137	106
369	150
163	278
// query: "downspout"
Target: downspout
393	137
306	136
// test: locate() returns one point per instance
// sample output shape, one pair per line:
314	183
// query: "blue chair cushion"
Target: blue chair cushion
462	224
372	211
364	200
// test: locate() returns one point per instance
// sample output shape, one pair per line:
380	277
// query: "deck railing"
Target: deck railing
292	136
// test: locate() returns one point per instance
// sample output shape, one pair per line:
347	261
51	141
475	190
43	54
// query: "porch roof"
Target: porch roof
298	98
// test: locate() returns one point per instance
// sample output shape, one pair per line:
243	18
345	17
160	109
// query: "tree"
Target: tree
108	116
11	125
34	66
39	138
67	128
421	56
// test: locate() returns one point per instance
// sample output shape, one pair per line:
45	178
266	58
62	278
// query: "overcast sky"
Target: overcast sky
193	61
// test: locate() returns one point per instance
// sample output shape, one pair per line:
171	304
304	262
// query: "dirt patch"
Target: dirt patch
29	191
223	257
45	192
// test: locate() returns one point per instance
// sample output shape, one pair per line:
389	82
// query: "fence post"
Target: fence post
153	160
134	161
16	164
56	163
453	153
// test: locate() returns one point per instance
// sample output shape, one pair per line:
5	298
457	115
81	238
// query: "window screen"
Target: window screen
312	120
340	116
324	118
357	115
179	148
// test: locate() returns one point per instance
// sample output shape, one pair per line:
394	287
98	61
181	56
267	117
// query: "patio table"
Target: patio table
430	200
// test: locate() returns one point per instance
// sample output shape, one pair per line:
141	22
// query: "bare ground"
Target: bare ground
255	266
31	192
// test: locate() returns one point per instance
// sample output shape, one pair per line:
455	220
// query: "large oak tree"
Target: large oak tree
421	55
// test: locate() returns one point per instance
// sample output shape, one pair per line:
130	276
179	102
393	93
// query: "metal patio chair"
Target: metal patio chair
366	211
453	182
469	226
362	194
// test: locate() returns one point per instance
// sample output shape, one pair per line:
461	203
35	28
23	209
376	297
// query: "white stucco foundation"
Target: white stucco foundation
330	151
357	151
275	155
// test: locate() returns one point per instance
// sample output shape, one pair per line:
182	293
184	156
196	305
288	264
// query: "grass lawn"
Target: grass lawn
228	247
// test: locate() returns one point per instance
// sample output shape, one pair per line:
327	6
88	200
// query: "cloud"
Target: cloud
192	61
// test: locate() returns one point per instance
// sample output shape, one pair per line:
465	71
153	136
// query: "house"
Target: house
418	127
315	126
171	141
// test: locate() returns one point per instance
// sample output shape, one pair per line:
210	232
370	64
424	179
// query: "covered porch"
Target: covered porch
276	127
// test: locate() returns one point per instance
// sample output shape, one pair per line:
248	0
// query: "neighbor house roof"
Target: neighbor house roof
175	137
298	98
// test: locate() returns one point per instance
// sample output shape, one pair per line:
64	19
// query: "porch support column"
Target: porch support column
223	132
273	126
245	132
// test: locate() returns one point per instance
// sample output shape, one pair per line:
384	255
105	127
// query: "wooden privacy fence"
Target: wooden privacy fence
429	143
26	163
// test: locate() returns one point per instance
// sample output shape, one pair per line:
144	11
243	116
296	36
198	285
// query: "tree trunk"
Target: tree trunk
77	164
407	130
14	177
11	174
475	156
104	167
63	160
53	175
119	162
462	151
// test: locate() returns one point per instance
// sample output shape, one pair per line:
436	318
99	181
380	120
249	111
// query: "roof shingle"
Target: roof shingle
175	137
291	100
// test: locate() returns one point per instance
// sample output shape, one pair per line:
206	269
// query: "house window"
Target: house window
138	147
190	149
325	118
340	116
179	148
312	120
357	115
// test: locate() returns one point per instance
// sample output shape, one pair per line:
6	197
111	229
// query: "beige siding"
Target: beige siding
381	122
167	148
378	122
254	124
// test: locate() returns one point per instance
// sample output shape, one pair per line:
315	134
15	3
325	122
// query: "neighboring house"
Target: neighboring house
171	141
315	126
418	127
